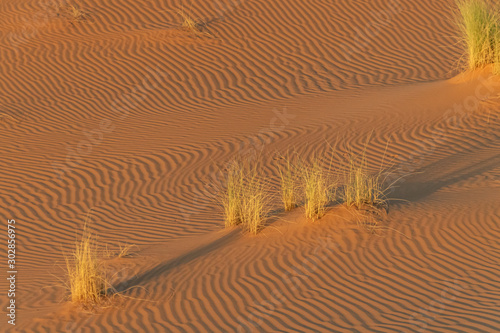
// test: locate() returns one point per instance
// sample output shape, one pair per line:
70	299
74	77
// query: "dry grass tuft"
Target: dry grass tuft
287	171
479	26
191	25
72	12
317	186
87	279
76	13
123	251
254	202
244	198
232	194
361	187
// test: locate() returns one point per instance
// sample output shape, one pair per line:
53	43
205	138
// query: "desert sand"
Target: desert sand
129	116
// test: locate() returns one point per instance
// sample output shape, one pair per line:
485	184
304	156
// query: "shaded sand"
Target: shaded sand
130	116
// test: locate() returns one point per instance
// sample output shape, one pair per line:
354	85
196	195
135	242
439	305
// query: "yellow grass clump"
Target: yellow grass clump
73	12
125	251
479	26
254	203
317	188
362	187
287	171
244	198
87	279
232	194
191	25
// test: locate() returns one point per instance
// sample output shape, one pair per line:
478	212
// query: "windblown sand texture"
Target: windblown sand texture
131	116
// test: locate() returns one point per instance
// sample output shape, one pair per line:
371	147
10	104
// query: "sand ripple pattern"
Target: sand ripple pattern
261	51
323	277
183	106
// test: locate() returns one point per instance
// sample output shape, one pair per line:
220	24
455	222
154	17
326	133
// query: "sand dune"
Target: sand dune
130	116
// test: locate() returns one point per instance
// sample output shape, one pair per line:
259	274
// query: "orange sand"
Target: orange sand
131	116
